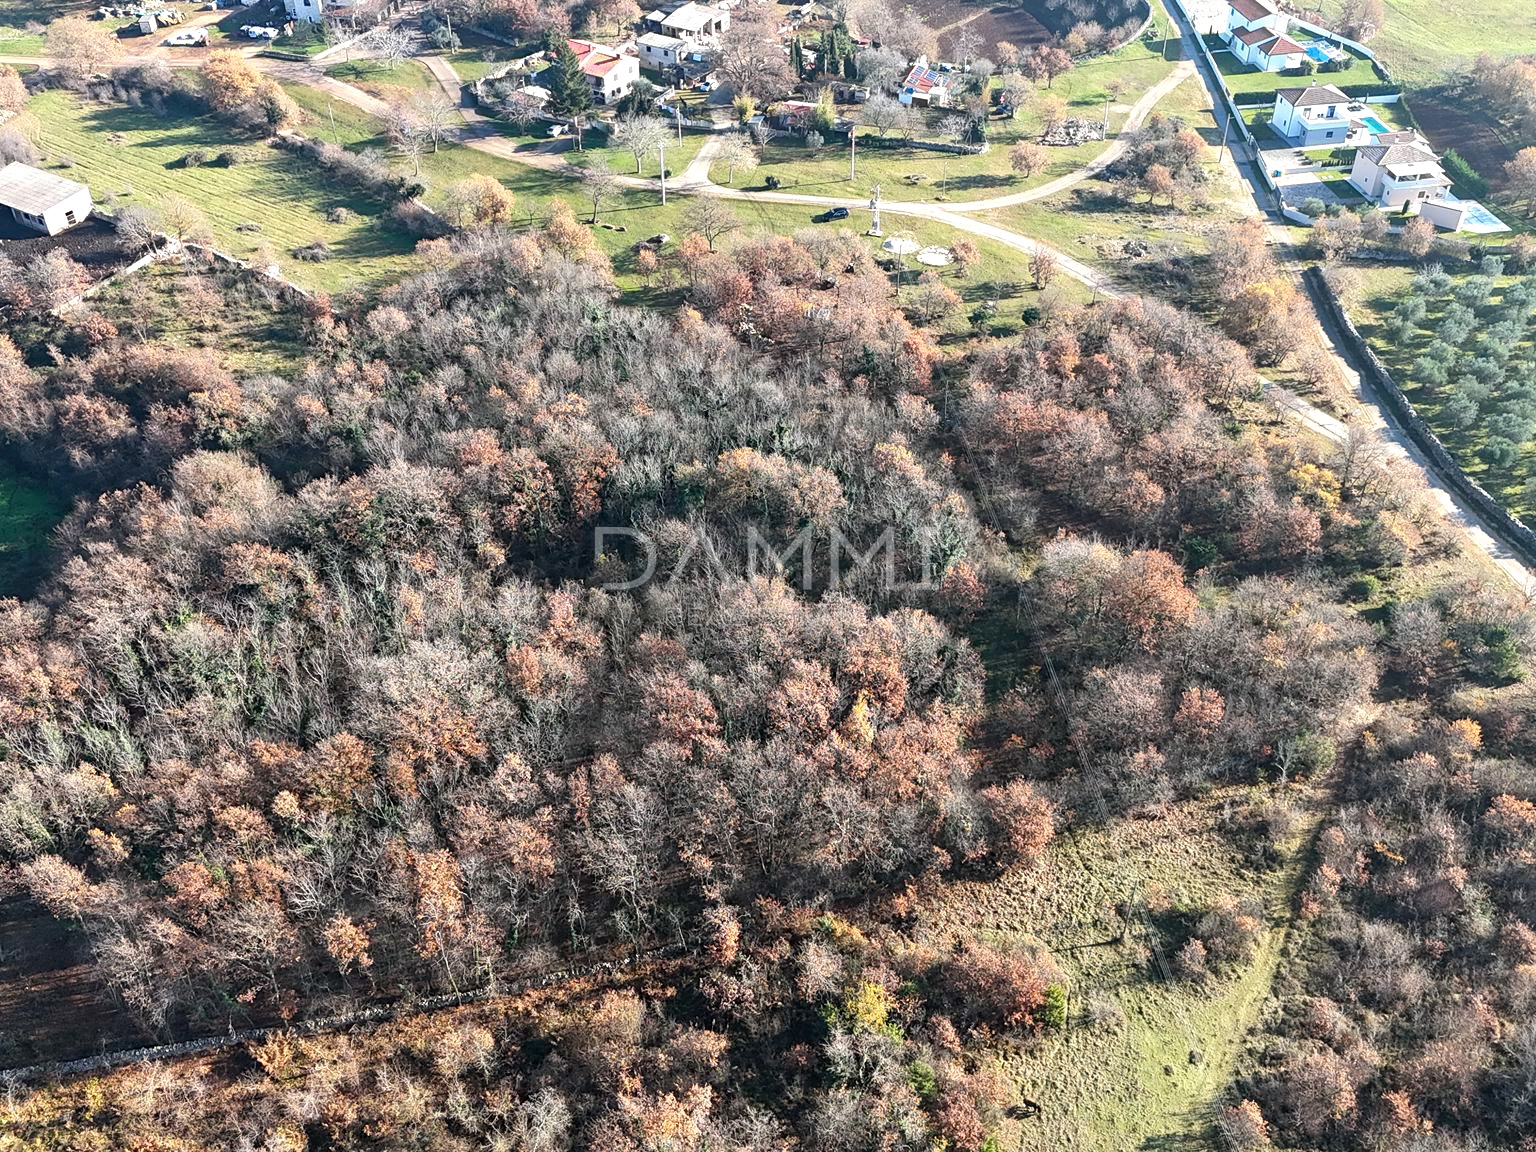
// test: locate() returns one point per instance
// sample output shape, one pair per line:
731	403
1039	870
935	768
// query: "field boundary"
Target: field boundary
376	1014
1496	519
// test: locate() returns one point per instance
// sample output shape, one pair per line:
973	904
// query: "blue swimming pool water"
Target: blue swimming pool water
1376	126
1316	52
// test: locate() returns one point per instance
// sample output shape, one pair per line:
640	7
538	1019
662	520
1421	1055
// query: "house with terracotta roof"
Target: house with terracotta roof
925	87
1397	175
610	73
1256	35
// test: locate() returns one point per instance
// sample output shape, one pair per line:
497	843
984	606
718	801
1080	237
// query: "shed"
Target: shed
42	201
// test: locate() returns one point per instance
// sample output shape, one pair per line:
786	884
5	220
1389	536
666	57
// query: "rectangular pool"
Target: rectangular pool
1376	126
1318	53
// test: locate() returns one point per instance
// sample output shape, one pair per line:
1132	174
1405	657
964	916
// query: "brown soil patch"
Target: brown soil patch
1448	121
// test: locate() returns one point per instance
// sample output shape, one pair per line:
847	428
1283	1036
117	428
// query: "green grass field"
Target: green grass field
1143	1062
385	80
28	513
1426	40
906	173
16	40
184	307
130	155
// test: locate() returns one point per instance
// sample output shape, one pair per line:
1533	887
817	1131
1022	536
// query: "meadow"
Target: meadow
1426	41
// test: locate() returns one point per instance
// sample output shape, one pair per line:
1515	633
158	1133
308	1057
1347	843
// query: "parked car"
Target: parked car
830	215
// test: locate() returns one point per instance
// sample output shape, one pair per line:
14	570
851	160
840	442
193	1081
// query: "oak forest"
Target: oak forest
512	680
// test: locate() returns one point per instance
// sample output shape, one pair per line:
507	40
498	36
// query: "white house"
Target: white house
42	201
312	11
610	74
925	87
692	21
1393	175
1253	16
658	50
1256	33
1312	117
1266	51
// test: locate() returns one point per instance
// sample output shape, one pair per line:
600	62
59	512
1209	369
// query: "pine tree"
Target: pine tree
569	95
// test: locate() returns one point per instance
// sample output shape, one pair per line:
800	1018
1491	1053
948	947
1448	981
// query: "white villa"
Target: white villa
1312	117
1256	35
1397	175
42	201
658	50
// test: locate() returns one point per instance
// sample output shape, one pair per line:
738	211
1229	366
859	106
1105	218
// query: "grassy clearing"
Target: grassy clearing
181	306
1128	1082
1424	41
906	173
1381	291
130	155
1130	242
474	63
18	40
383	80
28	513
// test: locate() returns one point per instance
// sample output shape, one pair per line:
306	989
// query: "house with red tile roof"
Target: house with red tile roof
610	73
925	87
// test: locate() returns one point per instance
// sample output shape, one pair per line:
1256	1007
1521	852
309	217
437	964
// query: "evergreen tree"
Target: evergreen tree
569	95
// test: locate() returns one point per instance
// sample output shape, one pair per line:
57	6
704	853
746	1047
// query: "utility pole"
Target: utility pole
853	154
661	149
1225	128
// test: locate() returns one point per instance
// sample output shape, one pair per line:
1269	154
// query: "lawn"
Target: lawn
906	173
386	81
131	155
1239	78
1381	292
18	41
29	511
1424	41
474	63
1143	1062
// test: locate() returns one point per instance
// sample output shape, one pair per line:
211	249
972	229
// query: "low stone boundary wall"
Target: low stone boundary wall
1498	521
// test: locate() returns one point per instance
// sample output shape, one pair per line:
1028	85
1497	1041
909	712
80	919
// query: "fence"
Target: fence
1499	522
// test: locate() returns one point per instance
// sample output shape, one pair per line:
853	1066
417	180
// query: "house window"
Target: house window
1328	135
69	215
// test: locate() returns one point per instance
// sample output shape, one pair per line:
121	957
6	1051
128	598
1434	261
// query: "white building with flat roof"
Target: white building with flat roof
42	201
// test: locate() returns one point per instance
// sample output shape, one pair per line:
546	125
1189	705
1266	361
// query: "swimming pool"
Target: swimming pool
1318	53
1376	126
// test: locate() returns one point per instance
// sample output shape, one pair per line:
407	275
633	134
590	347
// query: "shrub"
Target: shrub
1363	587
197	158
316	253
1465	180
